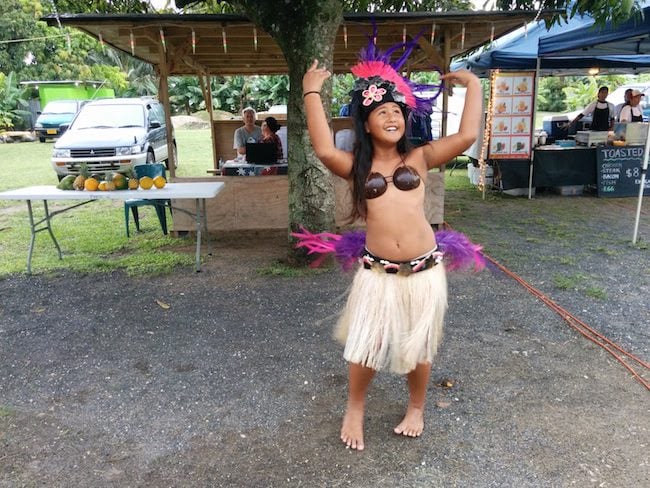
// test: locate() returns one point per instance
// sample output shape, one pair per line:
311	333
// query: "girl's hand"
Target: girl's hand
314	78
461	77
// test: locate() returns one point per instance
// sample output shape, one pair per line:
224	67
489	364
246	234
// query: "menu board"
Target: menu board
618	171
511	126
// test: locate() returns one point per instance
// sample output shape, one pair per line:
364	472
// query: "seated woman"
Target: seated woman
270	127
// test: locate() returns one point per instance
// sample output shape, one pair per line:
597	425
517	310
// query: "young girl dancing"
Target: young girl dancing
395	310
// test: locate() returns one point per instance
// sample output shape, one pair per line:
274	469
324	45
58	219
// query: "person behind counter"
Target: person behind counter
631	112
270	127
248	133
602	112
626	101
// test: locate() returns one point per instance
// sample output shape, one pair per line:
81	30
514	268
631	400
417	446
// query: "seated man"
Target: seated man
248	133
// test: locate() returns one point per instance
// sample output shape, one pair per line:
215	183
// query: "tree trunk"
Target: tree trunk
305	30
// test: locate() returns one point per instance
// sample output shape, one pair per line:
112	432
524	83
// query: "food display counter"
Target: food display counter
553	165
562	166
613	171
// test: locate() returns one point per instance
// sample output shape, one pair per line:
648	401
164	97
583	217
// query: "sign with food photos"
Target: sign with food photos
511	120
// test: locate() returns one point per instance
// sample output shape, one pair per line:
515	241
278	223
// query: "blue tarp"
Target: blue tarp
519	51
631	38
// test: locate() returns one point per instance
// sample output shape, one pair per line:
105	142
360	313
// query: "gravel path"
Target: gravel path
239	383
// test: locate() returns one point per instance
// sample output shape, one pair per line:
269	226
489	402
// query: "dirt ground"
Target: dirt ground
230	377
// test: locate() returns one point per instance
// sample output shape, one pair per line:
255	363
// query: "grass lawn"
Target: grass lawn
92	237
27	164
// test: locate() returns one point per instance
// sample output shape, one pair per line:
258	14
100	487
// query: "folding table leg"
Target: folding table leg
204	213
197	217
34	230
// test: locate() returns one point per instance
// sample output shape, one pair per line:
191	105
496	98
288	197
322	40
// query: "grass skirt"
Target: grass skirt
392	321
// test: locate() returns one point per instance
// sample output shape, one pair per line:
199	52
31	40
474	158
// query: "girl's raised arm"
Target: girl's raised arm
439	152
337	161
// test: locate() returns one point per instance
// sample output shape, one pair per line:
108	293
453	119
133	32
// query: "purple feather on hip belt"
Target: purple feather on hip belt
460	253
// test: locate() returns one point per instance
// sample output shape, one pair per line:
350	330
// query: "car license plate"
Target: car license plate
51	131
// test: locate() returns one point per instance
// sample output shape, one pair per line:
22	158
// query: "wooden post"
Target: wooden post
445	94
163	95
204	79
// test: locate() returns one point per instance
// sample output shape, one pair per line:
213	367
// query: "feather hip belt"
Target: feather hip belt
454	248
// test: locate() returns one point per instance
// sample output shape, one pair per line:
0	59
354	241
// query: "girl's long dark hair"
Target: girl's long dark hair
363	153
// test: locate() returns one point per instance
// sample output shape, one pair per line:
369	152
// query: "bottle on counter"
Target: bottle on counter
542	138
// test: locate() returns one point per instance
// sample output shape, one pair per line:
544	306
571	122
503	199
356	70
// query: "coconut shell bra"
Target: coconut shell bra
404	178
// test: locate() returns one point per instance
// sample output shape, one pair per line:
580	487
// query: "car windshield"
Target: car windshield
60	108
114	116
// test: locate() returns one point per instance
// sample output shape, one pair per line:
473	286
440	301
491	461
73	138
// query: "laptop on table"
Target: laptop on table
261	153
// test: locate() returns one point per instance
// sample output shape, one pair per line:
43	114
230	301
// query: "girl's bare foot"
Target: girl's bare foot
352	428
412	424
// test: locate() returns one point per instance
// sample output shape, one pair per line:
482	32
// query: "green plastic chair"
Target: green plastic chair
150	170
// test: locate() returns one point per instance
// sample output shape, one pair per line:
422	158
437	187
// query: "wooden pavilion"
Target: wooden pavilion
206	45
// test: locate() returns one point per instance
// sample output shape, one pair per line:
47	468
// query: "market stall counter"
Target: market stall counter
262	202
190	198
553	166
612	170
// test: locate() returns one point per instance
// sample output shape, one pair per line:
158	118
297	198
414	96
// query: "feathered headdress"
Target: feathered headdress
379	81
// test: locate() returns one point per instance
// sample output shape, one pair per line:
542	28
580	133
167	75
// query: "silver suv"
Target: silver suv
113	135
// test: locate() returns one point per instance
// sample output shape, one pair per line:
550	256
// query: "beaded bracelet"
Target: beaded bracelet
309	93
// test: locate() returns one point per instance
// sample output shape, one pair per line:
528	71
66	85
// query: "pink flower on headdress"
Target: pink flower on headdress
372	94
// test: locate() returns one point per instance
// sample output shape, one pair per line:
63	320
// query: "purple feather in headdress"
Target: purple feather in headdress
375	67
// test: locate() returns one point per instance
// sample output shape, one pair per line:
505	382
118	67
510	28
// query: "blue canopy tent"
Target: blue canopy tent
519	51
630	38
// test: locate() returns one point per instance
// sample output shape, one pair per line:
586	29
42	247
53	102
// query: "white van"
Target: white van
111	135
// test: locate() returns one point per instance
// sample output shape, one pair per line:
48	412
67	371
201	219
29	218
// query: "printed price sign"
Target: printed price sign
511	118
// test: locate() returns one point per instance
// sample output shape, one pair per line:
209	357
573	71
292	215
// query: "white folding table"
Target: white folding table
198	191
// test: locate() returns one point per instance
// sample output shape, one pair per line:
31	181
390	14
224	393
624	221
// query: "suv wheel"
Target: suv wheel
151	158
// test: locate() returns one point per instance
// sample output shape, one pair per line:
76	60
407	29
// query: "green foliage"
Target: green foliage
12	101
602	10
233	93
550	94
270	90
581	94
185	94
407	6
18	22
104	6
131	77
341	88
206	7
285	271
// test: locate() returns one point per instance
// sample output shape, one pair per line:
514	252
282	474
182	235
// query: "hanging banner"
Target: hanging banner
512	115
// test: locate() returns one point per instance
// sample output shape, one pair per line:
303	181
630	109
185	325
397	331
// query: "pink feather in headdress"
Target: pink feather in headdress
375	67
370	69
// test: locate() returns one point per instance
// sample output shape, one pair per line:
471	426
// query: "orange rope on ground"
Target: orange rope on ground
626	207
578	325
